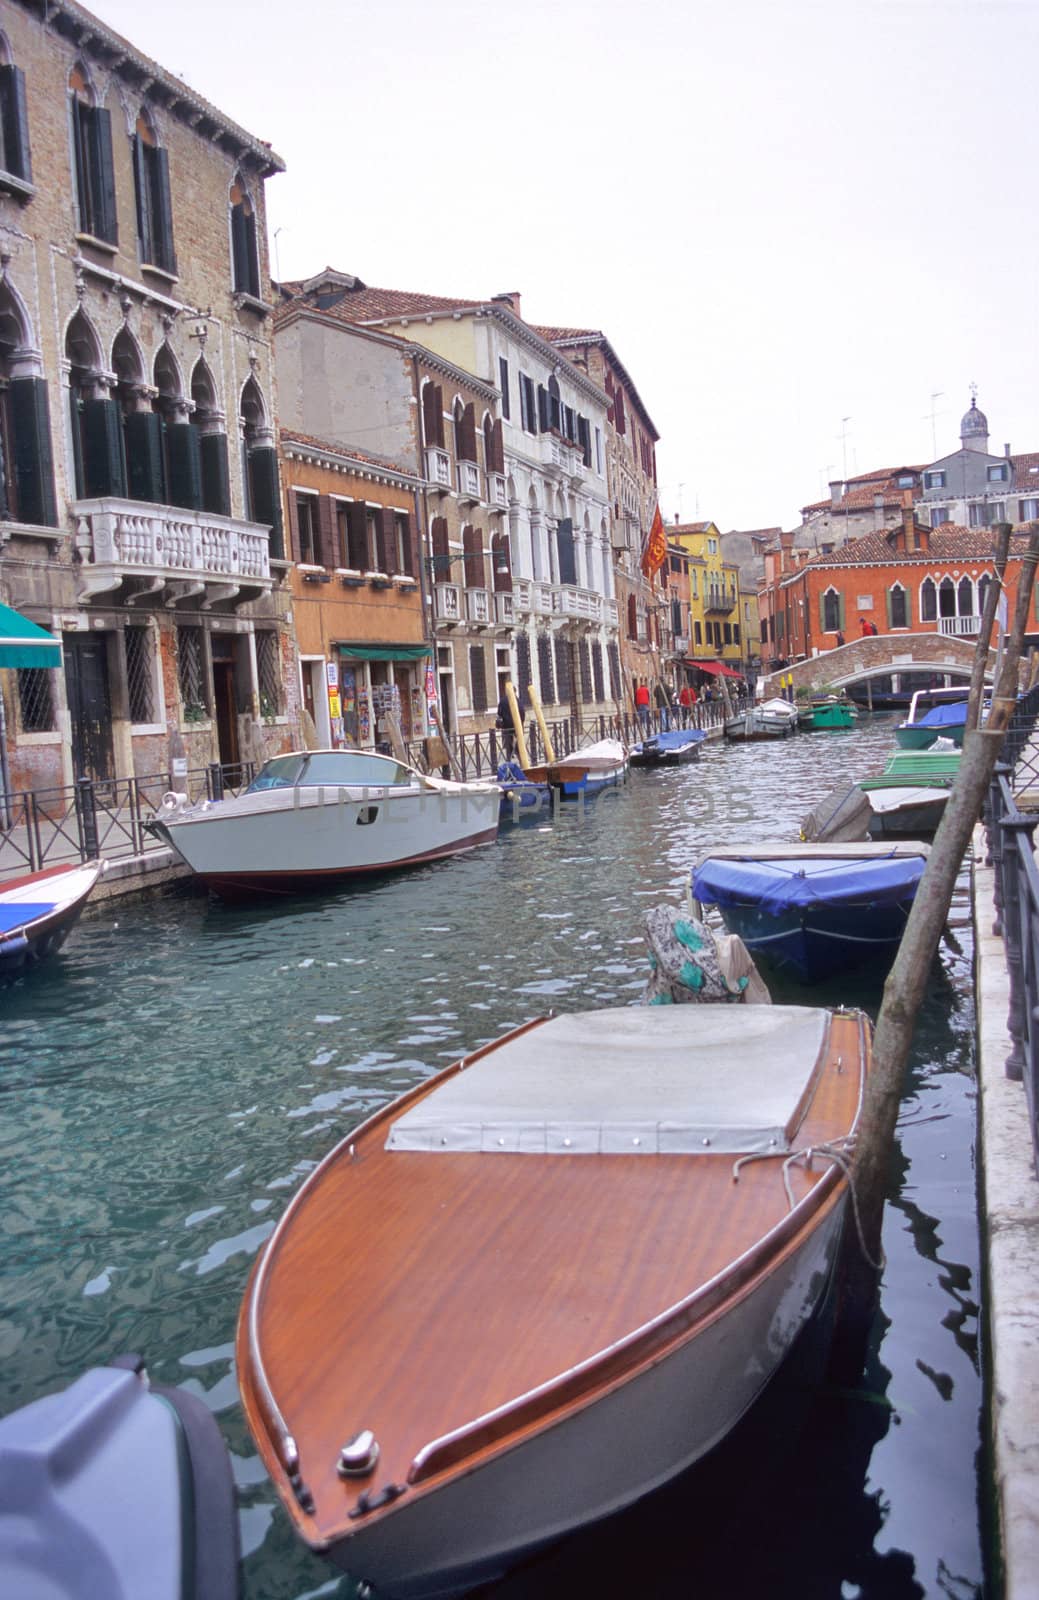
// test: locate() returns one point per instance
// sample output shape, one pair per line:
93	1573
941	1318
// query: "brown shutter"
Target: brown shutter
440	416
469	433
325	553
357	535
472	545
293	521
407	544
385	540
439	544
432	419
497	448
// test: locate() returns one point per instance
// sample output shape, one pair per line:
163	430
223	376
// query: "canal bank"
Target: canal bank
1009	1203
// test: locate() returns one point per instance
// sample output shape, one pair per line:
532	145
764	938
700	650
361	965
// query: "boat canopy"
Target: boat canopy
631	1080
953	715
778	886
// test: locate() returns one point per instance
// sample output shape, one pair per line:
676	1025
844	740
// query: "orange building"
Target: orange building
909	579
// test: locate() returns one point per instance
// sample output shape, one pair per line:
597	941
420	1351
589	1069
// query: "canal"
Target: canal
171	1078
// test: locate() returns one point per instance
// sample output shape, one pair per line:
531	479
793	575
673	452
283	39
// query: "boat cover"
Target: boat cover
675	740
779	886
948	716
667	1080
15	914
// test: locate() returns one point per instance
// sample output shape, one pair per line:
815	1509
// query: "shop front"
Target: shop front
378	691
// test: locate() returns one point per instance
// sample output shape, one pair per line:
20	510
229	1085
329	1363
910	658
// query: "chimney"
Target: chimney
1006	451
909	527
837	488
510	298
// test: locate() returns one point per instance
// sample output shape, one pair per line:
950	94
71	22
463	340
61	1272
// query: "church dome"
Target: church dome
974	424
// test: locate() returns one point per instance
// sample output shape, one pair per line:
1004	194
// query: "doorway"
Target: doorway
225	700
90	705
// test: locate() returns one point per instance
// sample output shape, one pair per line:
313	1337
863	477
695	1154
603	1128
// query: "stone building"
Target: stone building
140	515
551	488
440	425
645	633
975	488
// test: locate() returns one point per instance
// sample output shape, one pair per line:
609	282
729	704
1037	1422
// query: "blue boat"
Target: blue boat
520	796
586	771
812	910
668	749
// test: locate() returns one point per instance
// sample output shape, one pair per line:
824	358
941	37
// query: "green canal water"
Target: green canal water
170	1079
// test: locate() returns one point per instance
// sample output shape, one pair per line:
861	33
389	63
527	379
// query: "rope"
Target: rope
839	1154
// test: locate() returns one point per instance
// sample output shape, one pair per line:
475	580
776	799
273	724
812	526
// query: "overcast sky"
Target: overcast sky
782	216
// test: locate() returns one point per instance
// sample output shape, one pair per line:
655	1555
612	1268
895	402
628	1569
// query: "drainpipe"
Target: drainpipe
422	506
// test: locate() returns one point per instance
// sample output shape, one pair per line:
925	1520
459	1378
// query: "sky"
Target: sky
806	228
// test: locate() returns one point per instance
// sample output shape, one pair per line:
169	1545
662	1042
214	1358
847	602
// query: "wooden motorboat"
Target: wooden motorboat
813	909
545	1281
586	771
39	911
773	719
315	816
669	749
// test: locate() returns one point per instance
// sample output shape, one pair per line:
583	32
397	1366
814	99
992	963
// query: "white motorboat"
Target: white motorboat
317	815
772	719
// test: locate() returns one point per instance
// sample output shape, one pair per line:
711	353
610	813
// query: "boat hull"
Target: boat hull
753	727
312	843
814	945
585	1468
922	738
824	719
23	944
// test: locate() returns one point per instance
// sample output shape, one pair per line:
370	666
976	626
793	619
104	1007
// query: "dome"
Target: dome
974	424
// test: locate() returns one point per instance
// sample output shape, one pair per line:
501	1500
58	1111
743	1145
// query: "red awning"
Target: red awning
716	668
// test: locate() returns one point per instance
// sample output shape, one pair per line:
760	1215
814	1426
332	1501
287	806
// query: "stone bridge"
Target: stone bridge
876	657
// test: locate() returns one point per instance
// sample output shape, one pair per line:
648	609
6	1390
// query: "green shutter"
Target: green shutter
887	603
185	459
162	215
264	496
33	459
103	177
216	481
840	611
144	467
103	471
16	123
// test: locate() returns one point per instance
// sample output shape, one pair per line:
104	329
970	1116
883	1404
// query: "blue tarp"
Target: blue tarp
675	739
949	716
15	916
778	886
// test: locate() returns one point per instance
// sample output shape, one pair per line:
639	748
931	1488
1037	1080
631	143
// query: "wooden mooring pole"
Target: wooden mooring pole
908	978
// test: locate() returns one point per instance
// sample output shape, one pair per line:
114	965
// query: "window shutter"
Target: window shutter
16	127
472	545
467	434
142	191
144	457
523	679
357	537
503	376
822	613
430	400
102	450
546	675
633	617
162	217
478	676
909	605
264	495
216	478
501	556
406	556
239	248
295	551
33	457
887	603
185	460
567	557
585	663
616	686
324	555
440	548
584	438
384	539
496	448
543	412
439	416
104	221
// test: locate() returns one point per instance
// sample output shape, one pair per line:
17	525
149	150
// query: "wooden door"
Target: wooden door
90	705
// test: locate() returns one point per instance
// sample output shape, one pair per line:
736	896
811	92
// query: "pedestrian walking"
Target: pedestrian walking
642	704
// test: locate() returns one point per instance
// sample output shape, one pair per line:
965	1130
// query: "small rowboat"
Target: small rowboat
586	771
824	715
545	1281
814	909
773	719
669	749
39	911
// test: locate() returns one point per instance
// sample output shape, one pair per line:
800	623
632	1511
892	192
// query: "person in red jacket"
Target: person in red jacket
642	703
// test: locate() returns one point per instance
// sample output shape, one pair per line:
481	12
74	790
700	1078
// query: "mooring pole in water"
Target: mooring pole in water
907	980
988	617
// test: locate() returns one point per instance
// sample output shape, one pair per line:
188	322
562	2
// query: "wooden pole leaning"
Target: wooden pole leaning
988	617
517	724
907	981
535	700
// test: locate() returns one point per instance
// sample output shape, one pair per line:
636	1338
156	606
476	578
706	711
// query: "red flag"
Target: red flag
655	553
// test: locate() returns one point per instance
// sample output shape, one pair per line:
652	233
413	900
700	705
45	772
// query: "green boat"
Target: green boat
934	714
832	712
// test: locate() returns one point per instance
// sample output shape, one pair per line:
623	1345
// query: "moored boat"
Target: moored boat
772	719
826	714
813	909
542	1283
934	714
906	801
595	766
312	817
519	796
39	911
670	749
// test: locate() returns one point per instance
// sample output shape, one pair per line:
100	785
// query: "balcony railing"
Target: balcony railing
447	605
478	606
959	627
563	599
438	467
469	480
122	540
505	607
497	490
720	600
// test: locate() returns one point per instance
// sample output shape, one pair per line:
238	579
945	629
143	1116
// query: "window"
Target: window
898	607
92	161
946	598
140	674
831	611
528	408
14	124
939	515
934	480
998	474
997	511
928	601
151	175
697	633
465	431
26	465
546	672
905	480
735	633
432	415
191	674
503	380
712	547
402	543
965	598
307	528
692	585
245	259
633	615
268	672
36	699
1028	510
478	676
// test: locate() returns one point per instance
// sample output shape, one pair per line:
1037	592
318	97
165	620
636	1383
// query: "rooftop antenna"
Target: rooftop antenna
938	395
844	446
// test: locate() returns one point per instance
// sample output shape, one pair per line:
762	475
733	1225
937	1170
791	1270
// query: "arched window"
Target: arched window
26	464
152	189
245	258
928	601
501	562
554	406
180	443
946	598
141	428
833	611
965	598
97	443
209	423
92	158
15	159
260	466
984	584
897	607
465	430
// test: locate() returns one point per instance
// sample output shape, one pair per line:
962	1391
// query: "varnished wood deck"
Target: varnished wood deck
413	1294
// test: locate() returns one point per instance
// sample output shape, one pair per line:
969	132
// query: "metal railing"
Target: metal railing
1010	830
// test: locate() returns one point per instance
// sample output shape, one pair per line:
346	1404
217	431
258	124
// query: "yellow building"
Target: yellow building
722	617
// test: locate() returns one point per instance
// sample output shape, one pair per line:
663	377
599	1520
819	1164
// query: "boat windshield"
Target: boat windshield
331	769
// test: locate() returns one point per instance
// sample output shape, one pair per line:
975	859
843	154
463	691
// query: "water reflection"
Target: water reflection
171	1079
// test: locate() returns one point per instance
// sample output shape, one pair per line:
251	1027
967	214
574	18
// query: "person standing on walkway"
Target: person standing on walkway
642	704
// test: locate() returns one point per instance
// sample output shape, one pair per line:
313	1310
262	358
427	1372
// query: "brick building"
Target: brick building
441	426
911	579
139	516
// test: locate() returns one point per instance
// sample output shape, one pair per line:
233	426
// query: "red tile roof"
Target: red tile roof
946	544
349	452
559	335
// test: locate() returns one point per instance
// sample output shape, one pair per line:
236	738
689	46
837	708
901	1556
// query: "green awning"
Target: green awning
24	643
385	652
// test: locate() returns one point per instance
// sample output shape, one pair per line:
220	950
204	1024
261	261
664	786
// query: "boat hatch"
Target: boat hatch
630	1081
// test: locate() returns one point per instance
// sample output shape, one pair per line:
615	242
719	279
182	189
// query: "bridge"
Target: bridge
878	656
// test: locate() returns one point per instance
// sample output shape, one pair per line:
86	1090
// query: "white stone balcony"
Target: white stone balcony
563	600
505	607
558	453
169	553
478	607
447	603
959	627
583	603
469	481
438	468
497	491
